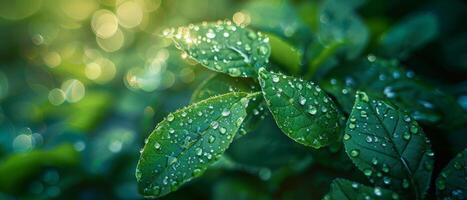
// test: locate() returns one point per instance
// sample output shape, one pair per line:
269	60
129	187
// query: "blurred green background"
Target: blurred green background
83	82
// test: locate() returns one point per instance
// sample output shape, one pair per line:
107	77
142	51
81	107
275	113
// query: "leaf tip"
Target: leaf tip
360	95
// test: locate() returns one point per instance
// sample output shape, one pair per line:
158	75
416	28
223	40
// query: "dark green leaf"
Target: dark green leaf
280	18
340	24
410	34
389	147
386	78
268	147
224	47
240	189
221	84
185	143
342	189
452	182
301	109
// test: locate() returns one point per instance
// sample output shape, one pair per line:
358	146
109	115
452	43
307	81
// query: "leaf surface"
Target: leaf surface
452	182
221	84
342	189
187	141
388	79
301	109
389	147
223	47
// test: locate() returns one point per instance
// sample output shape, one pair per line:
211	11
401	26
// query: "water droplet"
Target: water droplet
413	128
302	100
210	34
354	152
157	145
197	172
354	185
374	161
346	137
368	138
225	112
367	172
214	124
211	139
275	78
170	117
406	135
171	160
312	110
377	191
235	72
199	151
351	125
222	130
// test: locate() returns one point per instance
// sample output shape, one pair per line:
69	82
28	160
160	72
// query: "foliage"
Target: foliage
224	99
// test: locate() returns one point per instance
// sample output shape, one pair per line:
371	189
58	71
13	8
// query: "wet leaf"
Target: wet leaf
223	47
301	109
387	79
411	33
452	182
221	84
389	147
187	141
342	189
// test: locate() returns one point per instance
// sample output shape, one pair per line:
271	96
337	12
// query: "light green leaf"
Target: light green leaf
301	109
411	33
389	147
19	167
285	54
187	141
223	47
342	189
452	182
221	84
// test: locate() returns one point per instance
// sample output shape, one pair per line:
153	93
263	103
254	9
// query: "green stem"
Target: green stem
323	56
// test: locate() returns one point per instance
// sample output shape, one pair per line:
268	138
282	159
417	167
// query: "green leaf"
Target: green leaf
256	149
223	47
240	188
280	18
221	84
389	147
340	24
285	54
342	189
452	182
388	79
301	109
17	168
187	141
411	33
